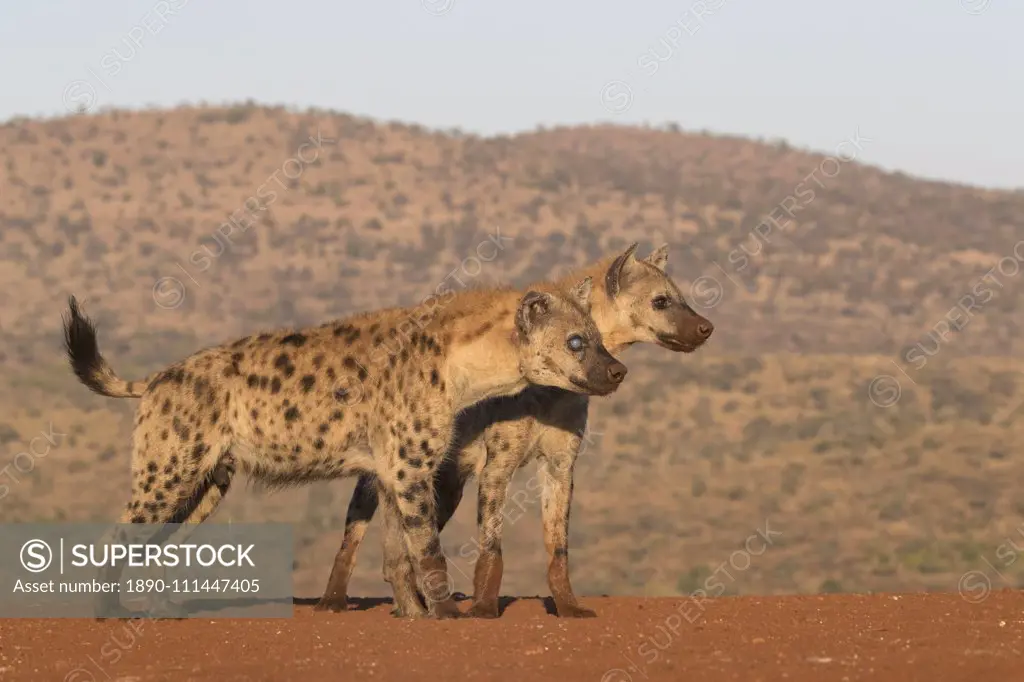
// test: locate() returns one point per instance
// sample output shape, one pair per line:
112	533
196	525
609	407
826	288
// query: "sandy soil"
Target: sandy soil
933	637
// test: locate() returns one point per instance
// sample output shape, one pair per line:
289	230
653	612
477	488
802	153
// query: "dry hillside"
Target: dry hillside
773	420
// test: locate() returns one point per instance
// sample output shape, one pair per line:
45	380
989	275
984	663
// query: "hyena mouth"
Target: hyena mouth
675	344
591	388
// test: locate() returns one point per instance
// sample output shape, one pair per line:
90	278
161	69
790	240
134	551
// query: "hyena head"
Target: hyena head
560	345
648	306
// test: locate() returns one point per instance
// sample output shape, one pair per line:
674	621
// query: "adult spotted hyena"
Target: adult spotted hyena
376	393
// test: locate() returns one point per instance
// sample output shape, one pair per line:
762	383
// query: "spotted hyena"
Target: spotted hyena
634	302
376	393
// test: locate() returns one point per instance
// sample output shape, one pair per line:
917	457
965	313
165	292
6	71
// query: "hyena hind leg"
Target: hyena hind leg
169	486
361	509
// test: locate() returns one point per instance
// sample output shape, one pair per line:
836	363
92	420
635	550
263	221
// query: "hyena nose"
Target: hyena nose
705	329
617	372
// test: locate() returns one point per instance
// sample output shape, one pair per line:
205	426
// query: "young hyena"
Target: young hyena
375	393
634	302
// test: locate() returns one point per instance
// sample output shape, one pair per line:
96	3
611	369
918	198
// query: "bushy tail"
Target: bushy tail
86	361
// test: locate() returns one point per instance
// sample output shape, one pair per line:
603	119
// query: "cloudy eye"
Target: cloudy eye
661	302
575	343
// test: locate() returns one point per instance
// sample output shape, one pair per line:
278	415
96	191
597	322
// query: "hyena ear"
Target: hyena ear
613	278
534	306
659	257
581	293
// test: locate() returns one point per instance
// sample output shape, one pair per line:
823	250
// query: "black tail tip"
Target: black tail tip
79	333
71	318
73	307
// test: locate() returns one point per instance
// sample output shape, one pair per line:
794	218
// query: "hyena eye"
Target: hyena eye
575	343
661	302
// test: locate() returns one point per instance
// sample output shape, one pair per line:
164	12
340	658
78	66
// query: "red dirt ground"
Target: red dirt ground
933	637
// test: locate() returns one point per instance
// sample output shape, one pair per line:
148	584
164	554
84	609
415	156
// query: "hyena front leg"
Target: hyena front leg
448	487
361	509
494	482
557	461
449	484
409	484
399	571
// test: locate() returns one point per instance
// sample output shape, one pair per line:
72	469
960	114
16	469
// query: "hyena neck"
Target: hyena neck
616	334
483	359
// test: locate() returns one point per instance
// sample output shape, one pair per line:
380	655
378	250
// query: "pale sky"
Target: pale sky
937	85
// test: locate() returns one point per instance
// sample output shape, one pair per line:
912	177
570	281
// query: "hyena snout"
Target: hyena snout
689	332
607	373
616	372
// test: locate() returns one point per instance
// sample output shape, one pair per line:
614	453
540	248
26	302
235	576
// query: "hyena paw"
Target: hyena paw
482	610
570	611
446	610
332	604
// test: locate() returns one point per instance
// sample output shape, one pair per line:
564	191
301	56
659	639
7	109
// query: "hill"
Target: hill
186	227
